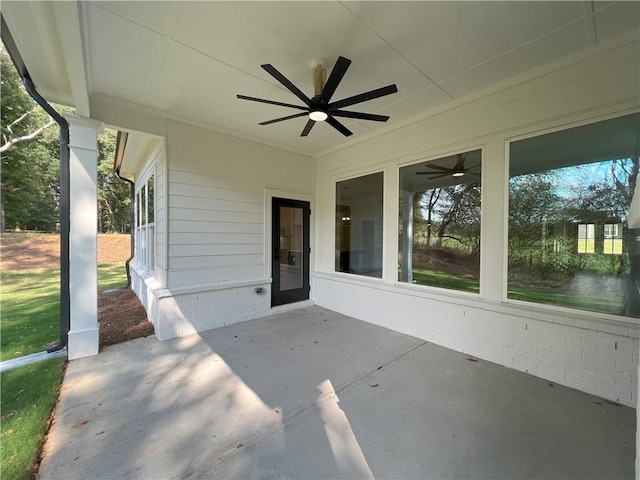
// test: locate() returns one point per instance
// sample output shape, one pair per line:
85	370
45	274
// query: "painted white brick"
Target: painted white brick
631	348
614	373
615	355
580	382
578	362
554	356
619	338
599	360
599	342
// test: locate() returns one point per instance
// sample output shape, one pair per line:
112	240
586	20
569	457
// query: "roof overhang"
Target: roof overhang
47	37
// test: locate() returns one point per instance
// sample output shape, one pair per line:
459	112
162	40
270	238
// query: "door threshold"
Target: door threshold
287	307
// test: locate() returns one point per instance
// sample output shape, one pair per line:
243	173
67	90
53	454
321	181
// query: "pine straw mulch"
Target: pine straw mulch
121	317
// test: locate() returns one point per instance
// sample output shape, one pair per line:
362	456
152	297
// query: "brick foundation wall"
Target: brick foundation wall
592	354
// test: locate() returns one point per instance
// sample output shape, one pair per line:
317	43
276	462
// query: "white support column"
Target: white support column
406	268
83	261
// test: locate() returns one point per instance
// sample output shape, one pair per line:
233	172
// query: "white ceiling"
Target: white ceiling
188	60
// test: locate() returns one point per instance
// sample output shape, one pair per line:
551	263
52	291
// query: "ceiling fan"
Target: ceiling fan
458	170
318	108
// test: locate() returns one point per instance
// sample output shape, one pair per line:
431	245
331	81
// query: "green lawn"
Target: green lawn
28	396
30	322
31	303
554	296
437	278
538	294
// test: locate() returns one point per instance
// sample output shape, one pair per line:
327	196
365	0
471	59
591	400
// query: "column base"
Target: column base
83	343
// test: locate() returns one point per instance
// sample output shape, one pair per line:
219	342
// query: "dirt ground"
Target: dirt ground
120	314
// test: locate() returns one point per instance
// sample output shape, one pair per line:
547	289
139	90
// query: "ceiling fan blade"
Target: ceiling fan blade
271	102
289	117
363	97
338	71
361	116
439	167
435	175
284	81
307	128
338	126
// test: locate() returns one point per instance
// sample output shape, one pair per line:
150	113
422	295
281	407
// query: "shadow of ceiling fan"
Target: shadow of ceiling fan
319	108
458	170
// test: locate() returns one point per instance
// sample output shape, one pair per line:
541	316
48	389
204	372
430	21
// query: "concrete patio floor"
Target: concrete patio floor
315	394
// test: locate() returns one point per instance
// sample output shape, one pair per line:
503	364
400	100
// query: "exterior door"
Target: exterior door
290	251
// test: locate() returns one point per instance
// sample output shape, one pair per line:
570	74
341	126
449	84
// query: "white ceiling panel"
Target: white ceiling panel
118	92
122	53
157	16
445	38
408	106
290	36
616	18
544	50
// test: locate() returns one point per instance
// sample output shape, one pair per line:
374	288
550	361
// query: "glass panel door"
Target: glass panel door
290	260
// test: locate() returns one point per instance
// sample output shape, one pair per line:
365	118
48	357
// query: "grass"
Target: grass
30	322
538	294
554	296
437	278
28	396
31	303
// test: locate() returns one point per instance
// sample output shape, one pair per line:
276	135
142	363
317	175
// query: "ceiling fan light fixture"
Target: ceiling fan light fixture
318	115
457	174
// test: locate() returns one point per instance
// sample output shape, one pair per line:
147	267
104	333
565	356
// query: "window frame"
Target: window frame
528	133
145	230
383	239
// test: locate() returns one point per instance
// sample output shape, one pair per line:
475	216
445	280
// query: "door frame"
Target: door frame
269	194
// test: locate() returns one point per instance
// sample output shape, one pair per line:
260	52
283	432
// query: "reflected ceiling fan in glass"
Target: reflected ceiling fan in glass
458	170
319	108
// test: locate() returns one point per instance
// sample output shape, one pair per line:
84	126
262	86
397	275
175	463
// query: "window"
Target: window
612	243
145	230
359	229
586	238
569	197
439	229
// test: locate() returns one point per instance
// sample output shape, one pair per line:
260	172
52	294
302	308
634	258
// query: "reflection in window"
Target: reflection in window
569	195
586	238
612	243
145	230
440	222
359	225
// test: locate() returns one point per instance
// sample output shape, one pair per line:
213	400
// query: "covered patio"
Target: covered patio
316	394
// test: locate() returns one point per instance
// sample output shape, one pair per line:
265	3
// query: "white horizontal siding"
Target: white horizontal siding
216	207
226	238
198	214
193	229
218	260
202	275
216	249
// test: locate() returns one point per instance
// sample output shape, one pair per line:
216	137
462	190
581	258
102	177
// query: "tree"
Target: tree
533	206
31	165
113	193
29	183
459	213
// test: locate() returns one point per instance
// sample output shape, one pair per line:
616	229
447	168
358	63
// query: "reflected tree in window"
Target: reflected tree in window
439	231
569	197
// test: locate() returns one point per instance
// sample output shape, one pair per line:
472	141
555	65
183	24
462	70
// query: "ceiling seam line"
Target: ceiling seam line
511	50
368	27
168	39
